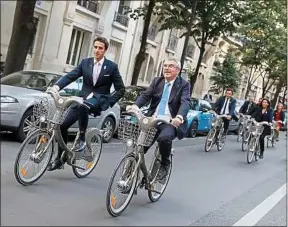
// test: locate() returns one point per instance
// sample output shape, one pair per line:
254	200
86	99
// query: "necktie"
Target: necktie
96	74
164	99
224	109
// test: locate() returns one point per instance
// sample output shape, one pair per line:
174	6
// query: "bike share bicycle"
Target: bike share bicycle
45	136
216	134
242	125
137	134
272	138
256	130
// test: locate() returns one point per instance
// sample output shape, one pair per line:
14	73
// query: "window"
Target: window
75	47
114	50
120	15
73	88
91	5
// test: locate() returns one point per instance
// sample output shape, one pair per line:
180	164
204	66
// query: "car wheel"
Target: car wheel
109	127
27	124
193	129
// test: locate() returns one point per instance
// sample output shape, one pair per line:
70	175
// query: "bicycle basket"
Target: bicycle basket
128	129
43	108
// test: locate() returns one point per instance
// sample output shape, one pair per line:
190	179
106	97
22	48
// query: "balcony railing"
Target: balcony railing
172	42
122	19
152	32
190	51
91	5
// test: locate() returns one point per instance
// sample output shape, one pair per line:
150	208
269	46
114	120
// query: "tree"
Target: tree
23	32
226	75
213	19
265	31
146	13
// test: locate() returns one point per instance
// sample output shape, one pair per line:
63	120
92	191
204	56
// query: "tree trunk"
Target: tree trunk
21	39
187	36
284	96
141	54
277	92
193	78
266	88
248	89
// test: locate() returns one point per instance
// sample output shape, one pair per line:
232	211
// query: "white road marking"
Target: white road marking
255	215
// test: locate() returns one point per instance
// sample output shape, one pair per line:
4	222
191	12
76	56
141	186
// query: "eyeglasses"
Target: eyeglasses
170	66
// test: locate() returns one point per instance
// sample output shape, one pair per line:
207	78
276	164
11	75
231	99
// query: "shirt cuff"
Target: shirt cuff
180	117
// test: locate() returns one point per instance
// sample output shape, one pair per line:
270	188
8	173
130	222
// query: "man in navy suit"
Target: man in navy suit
169	95
248	107
98	75
226	105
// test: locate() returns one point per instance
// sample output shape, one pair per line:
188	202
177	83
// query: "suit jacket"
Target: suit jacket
259	116
221	101
108	75
179	100
244	108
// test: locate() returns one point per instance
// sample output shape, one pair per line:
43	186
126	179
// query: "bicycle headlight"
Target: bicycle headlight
129	143
42	119
60	100
145	121
254	133
213	124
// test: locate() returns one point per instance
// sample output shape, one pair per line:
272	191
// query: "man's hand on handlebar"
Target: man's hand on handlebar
54	89
176	122
129	107
228	117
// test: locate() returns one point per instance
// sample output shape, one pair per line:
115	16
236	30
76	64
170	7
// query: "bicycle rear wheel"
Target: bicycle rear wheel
154	169
245	140
251	150
210	139
125	183
91	157
40	141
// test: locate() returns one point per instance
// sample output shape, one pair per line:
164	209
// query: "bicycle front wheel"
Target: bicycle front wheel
210	139
240	133
251	150
39	146
125	183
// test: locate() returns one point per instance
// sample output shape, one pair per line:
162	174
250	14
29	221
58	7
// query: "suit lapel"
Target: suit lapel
174	89
90	69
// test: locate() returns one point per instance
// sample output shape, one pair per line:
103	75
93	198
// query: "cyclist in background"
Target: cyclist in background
279	115
263	113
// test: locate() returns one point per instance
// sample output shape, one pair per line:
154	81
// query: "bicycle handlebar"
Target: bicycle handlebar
147	122
219	115
63	102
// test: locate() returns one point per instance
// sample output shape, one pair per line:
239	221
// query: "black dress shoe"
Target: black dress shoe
261	156
56	164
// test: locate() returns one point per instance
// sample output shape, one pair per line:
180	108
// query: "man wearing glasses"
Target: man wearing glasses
169	96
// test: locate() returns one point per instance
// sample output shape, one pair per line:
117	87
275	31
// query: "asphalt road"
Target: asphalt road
215	188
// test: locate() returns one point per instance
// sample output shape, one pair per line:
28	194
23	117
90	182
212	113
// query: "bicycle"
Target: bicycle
137	133
216	133
272	138
246	135
256	130
242	125
50	115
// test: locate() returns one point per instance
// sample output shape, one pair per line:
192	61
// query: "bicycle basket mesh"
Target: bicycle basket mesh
131	130
43	108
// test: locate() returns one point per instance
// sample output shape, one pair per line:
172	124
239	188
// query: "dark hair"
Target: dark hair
102	40
230	89
265	100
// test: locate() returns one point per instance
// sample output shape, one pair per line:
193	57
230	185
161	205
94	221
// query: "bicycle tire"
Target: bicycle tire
132	188
213	130
150	194
251	151
240	133
90	166
23	145
220	148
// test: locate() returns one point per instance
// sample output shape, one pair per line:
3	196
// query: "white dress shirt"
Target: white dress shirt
227	107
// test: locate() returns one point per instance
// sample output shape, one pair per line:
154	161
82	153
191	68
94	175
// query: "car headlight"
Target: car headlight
8	99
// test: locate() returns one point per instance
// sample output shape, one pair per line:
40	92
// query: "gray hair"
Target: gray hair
178	63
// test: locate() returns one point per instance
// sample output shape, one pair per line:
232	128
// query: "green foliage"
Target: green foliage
226	75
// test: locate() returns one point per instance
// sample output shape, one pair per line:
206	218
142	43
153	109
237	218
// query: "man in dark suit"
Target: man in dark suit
226	105
248	107
98	75
170	96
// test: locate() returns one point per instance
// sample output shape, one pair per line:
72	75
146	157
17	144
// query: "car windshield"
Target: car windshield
31	80
131	94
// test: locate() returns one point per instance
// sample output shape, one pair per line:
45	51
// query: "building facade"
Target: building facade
66	30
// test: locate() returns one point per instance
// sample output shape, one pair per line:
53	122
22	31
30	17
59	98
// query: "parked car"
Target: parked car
199	119
17	99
